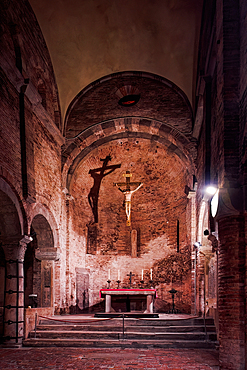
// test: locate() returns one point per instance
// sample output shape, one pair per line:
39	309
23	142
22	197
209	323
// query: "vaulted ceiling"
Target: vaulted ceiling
91	39
104	52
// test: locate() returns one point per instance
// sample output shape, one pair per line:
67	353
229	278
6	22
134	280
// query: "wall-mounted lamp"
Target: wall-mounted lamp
211	189
197	245
215	203
26	239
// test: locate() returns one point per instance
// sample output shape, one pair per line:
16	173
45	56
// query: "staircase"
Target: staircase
130	332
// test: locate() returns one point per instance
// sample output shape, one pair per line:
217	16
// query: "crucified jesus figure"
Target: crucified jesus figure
128	193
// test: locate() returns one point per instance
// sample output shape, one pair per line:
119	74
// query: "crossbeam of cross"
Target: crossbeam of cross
130	276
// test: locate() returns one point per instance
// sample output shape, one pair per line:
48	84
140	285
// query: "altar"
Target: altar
129	295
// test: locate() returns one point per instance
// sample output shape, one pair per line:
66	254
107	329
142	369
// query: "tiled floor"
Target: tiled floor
114	358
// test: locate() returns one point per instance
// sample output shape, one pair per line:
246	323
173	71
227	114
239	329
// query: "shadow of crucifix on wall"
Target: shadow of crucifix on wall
98	174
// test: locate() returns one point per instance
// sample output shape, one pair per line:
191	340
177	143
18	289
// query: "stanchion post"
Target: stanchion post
35	328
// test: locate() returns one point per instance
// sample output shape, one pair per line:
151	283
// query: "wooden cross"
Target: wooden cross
130	275
128	193
127	184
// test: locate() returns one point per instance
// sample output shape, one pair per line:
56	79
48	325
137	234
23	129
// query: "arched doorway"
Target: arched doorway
38	264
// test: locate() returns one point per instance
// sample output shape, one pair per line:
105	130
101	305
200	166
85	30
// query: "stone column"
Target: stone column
150	303
47	256
107	303
14	293
231	280
231	292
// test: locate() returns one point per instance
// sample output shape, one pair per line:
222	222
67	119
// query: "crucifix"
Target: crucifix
130	276
128	193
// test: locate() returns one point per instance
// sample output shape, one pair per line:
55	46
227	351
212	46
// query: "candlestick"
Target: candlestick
118	282
109	282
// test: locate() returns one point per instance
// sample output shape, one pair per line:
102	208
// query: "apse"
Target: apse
127	161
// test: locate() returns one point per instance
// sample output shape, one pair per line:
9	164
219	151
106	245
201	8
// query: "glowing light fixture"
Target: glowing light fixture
211	190
214	203
197	244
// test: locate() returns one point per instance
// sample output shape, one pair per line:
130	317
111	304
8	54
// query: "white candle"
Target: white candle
109	274
118	275
142	274
151	274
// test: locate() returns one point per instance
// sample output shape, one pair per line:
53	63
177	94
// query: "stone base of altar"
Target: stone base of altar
128	300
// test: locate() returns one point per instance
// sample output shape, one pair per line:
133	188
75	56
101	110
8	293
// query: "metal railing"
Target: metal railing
123	316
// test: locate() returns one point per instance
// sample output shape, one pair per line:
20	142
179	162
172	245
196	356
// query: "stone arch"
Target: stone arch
167	130
39	263
167	120
10	225
43	232
11	194
116	83
40	209
132	128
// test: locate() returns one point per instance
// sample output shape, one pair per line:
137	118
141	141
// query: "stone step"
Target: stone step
141	333
116	335
146	328
130	321
121	343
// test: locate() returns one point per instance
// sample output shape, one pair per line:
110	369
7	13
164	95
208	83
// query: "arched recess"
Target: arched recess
39	263
158	98
5	188
157	207
40	209
153	139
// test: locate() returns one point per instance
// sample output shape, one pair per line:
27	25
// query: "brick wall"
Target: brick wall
30	141
155	209
225	64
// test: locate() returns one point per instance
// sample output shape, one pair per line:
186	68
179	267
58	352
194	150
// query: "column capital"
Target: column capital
191	194
15	248
47	254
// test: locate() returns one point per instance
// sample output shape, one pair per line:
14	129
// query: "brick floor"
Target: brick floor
117	359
